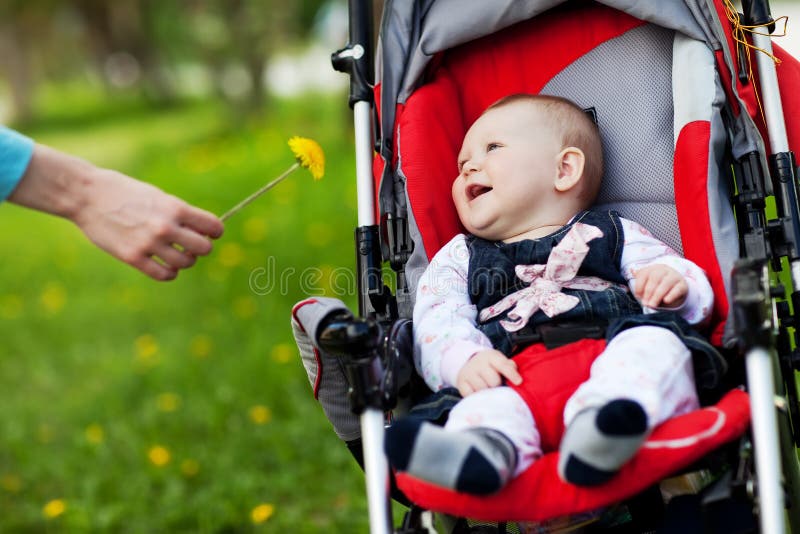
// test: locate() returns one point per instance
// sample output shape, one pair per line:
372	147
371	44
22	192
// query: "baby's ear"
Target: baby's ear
569	171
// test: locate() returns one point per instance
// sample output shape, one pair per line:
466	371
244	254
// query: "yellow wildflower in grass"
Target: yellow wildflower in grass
308	154
190	468
255	229
319	234
261	513
44	433
11	483
231	255
159	456
245	307
260	414
282	353
168	402
95	434
54	508
200	346
146	349
53	298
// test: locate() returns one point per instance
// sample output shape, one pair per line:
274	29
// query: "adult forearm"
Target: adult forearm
54	183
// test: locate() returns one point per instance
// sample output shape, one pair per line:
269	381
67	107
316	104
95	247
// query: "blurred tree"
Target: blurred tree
23	24
146	44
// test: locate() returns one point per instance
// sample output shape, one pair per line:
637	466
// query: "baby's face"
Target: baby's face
507	168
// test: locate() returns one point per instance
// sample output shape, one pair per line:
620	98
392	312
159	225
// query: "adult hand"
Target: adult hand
137	222
131	220
486	369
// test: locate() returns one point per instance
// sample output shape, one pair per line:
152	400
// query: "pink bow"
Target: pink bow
546	281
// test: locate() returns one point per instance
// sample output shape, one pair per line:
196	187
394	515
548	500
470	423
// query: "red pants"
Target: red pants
549	378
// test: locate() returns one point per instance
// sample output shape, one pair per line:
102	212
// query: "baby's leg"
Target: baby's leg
643	378
489	437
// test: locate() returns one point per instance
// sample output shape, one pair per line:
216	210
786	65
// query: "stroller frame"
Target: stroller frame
762	326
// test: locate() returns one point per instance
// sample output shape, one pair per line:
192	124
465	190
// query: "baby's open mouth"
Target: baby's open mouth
476	190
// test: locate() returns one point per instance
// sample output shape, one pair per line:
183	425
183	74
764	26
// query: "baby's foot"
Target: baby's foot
478	461
599	441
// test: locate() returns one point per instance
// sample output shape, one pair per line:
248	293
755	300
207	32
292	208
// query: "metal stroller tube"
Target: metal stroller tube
755	327
356	342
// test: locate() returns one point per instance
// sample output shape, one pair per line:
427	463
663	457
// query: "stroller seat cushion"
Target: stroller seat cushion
539	494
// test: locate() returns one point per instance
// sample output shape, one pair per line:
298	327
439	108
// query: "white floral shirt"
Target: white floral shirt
445	320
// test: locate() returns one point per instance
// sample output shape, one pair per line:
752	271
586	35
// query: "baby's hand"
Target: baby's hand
659	286
486	369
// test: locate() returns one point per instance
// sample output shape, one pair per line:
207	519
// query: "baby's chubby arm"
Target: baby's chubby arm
661	279
445	333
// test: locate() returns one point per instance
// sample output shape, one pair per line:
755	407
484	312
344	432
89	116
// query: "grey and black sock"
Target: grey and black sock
479	461
599	441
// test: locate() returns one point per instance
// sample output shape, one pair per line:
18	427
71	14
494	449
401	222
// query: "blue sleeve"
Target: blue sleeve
15	154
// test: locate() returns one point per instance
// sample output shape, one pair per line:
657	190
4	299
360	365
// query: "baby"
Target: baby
529	168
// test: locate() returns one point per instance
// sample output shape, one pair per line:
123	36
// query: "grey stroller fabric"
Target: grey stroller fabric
324	371
646	85
412	31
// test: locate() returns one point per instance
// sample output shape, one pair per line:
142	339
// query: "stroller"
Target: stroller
682	89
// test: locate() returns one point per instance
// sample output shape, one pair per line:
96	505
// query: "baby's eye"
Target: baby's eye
492	146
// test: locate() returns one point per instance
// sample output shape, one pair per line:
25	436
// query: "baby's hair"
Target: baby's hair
576	128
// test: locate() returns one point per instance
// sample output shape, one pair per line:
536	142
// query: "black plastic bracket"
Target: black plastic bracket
750	202
757	13
355	58
751	312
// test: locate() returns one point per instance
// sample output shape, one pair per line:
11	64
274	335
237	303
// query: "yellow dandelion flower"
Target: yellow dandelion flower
159	456
53	298
282	353
319	234
190	467
260	414
261	513
200	346
146	348
309	154
231	254
245	307
168	402
54	508
255	229
44	433
11	483
95	434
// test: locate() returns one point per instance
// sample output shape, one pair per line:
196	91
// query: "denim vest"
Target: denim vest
491	275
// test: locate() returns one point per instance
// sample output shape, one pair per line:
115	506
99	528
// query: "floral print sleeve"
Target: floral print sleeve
642	249
445	332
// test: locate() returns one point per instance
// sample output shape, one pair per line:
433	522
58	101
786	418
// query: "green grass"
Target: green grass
100	366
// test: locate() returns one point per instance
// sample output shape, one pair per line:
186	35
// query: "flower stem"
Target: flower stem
258	193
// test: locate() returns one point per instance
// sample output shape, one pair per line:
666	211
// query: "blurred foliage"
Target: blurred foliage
150	47
132	406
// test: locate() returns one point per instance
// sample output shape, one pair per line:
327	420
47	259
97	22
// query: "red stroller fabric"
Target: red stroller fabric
539	494
427	149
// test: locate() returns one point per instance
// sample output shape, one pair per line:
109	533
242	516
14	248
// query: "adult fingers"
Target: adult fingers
174	257
155	270
191	241
202	221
